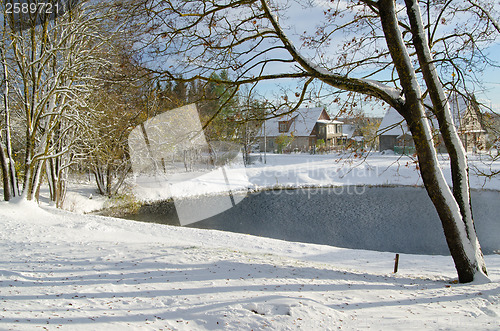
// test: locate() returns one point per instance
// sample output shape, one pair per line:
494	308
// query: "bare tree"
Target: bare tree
394	52
6	159
50	65
119	104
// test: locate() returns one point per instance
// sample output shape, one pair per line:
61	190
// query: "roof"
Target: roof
304	120
348	130
329	122
458	106
466	114
392	124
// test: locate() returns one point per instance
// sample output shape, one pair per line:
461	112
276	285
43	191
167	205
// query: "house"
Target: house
395	135
349	131
491	123
466	115
300	131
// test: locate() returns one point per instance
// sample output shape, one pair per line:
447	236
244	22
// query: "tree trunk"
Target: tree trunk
456	151
105	175
461	248
109	178
121	178
51	179
5	173
464	252
61	191
99	178
33	181
11	169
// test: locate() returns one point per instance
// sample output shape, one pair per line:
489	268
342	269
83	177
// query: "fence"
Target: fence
406	150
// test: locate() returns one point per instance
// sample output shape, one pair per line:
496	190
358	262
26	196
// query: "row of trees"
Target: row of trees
48	68
72	90
74	87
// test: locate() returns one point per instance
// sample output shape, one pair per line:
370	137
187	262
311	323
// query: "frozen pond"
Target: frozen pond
394	219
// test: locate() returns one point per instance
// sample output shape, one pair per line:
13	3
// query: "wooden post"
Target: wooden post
396	263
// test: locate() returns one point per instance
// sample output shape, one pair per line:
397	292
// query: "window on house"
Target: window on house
282	126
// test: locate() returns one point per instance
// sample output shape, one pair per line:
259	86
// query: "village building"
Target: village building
302	131
395	135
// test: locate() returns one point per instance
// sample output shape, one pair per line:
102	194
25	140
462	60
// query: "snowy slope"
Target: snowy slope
65	271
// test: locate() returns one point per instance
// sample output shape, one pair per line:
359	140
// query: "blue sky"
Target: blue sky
491	81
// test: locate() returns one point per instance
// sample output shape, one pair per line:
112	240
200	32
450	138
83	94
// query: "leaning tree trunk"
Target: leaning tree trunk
456	151
466	255
461	238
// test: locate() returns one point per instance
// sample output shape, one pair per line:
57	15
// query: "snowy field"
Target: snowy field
61	270
67	271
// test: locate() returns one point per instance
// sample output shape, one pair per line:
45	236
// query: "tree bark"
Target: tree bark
99	178
456	151
10	166
109	178
463	251
5	173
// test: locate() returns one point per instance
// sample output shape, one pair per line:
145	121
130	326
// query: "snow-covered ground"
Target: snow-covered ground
67	271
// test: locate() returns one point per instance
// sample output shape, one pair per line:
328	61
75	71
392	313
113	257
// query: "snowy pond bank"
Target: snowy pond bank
397	219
